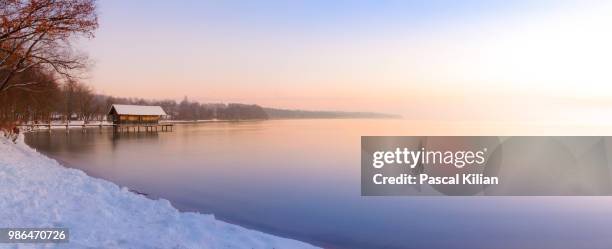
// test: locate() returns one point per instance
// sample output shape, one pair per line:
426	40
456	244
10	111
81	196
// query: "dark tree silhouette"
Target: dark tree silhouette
36	35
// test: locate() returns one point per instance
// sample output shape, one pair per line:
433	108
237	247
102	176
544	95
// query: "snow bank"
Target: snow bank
36	191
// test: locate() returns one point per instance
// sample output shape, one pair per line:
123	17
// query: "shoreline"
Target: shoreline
40	192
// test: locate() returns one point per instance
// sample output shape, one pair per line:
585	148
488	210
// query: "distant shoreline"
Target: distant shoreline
275	113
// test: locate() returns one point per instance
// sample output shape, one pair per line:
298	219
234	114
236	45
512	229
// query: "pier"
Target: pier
168	127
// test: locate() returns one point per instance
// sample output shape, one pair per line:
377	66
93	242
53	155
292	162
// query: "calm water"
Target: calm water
300	179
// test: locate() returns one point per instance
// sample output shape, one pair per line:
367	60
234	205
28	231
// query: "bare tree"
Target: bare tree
35	104
69	99
36	34
84	99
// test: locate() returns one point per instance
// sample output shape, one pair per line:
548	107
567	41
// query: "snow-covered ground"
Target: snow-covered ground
37	192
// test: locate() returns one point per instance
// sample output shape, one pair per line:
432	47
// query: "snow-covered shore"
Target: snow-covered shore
37	192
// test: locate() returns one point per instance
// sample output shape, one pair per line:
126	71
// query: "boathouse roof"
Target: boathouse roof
145	110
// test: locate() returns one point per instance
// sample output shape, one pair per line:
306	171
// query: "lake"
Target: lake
301	179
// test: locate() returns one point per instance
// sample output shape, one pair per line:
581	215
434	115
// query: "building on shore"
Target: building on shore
135	114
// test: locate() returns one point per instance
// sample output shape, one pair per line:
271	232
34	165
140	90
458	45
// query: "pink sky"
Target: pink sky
491	63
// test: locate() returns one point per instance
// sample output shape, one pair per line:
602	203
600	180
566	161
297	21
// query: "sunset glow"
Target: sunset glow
472	60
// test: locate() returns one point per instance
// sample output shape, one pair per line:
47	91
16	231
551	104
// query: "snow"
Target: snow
139	110
38	192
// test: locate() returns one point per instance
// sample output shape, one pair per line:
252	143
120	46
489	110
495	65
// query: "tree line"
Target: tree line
77	101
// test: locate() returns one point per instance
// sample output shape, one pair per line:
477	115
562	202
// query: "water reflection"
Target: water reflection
301	179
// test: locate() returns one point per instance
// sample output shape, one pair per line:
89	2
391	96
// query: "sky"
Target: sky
434	60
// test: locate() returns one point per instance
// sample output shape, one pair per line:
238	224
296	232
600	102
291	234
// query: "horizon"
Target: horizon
442	60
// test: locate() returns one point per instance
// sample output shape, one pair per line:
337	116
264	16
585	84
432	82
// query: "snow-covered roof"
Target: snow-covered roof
153	110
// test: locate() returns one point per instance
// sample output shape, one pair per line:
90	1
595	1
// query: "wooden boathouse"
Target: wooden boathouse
136	118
